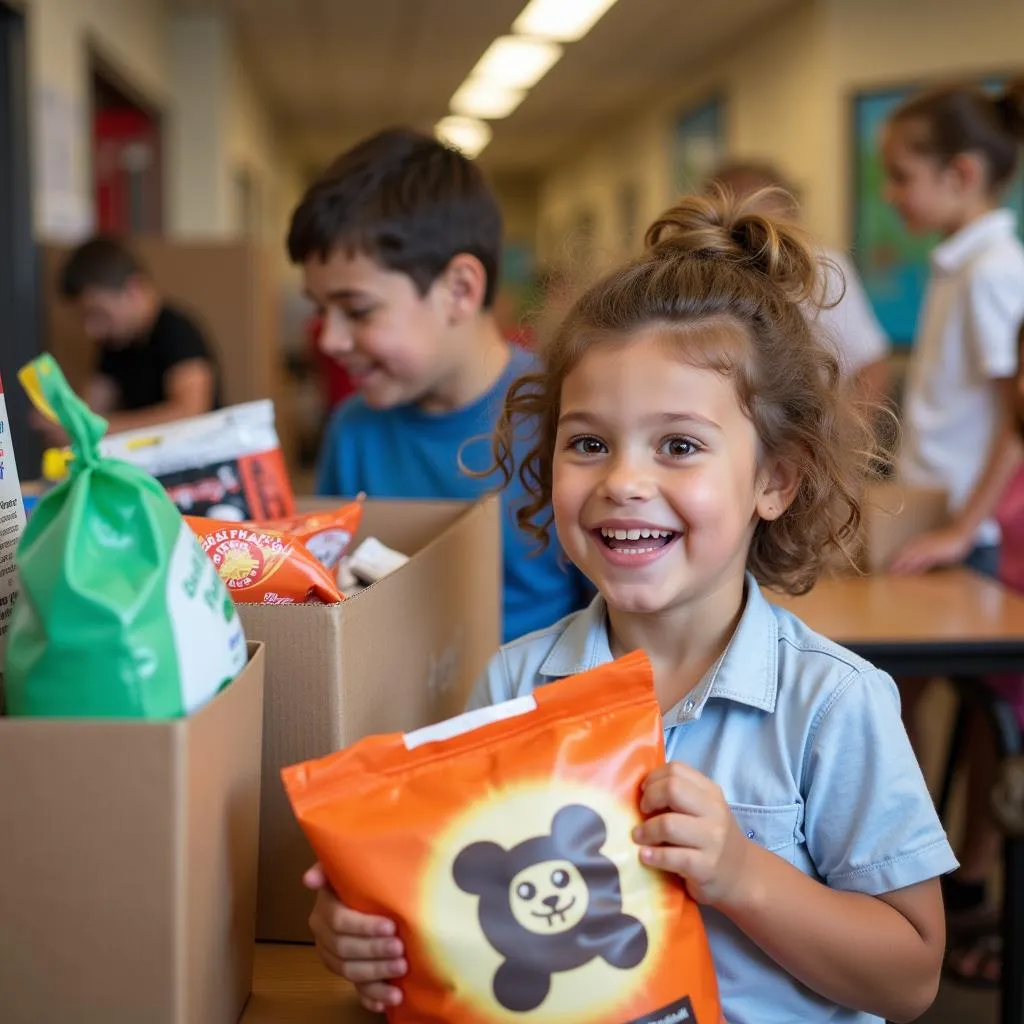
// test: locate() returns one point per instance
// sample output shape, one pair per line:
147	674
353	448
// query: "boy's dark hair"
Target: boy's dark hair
406	200
101	262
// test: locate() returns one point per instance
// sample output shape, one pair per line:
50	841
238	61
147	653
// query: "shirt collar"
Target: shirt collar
745	672
956	250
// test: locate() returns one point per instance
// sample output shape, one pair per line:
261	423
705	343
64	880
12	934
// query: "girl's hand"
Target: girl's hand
360	948
937	547
692	833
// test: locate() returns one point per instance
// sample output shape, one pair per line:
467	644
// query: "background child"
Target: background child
399	241
846	317
153	364
694	443
949	154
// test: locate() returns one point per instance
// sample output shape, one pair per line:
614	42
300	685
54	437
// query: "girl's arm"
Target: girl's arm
953	543
877	954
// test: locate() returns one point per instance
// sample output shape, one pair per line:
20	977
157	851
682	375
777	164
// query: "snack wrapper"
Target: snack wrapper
263	566
327	535
500	843
226	464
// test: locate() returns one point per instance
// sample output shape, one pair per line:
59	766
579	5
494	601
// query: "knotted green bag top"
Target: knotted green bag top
121	614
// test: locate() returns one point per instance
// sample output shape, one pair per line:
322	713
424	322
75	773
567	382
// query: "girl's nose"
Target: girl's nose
627	481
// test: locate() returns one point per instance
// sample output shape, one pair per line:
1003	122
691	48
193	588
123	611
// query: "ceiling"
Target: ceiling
332	71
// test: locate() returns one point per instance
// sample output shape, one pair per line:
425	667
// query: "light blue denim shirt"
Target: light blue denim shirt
806	742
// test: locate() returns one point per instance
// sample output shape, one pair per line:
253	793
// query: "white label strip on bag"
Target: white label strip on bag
12	523
469	721
220	436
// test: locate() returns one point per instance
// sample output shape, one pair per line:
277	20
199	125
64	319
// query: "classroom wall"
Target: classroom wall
253	146
788	85
876	43
216	123
129	36
778	69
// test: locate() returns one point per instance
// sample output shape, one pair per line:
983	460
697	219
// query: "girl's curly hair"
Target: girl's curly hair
712	262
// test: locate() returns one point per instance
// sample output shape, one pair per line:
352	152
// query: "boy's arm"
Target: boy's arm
189	386
953	543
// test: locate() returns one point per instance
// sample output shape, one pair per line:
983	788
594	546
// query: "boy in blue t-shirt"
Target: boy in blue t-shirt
399	242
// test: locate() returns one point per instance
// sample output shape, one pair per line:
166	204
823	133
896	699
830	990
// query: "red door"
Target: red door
126	158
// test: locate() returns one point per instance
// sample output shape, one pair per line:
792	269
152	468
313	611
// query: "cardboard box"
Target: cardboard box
896	513
402	654
892	513
128	864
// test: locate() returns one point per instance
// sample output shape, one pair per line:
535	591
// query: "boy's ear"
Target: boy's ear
465	283
779	483
969	172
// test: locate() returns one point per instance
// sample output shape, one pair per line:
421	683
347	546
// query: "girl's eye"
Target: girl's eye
358	314
680	447
587	445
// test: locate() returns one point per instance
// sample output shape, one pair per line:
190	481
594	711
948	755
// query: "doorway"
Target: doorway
127	156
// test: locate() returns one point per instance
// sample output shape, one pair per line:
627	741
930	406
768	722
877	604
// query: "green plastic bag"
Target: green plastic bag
121	613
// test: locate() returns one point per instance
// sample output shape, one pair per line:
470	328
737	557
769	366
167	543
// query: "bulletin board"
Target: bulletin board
893	263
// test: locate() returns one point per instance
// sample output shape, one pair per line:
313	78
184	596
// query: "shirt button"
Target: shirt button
689	705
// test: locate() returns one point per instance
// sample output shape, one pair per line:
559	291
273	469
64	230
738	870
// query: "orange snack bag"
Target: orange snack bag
328	535
261	566
500	844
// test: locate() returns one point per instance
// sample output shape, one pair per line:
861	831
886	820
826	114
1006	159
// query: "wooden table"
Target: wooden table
291	986
953	622
949	623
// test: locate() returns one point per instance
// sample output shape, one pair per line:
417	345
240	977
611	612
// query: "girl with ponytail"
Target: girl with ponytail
692	446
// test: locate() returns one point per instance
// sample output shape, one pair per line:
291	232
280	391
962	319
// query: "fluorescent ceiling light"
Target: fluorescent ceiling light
565	20
515	62
466	134
477	97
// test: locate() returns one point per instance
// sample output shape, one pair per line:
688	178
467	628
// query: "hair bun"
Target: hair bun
1010	106
723	227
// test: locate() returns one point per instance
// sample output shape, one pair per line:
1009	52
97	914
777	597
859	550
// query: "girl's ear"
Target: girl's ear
969	173
777	488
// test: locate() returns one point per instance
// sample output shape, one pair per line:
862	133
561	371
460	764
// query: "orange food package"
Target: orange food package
500	844
262	566
328	535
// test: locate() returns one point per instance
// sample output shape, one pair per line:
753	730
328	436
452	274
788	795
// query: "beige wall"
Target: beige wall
253	146
216	124
788	85
879	43
128	35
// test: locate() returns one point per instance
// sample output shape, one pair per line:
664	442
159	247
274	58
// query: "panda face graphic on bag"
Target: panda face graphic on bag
551	904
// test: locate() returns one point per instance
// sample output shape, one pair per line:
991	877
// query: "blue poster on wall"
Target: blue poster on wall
893	263
698	146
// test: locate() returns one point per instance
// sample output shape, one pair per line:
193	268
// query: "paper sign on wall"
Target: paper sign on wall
12	522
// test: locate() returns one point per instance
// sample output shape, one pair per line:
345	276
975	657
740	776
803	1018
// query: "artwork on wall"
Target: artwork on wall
698	144
893	264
